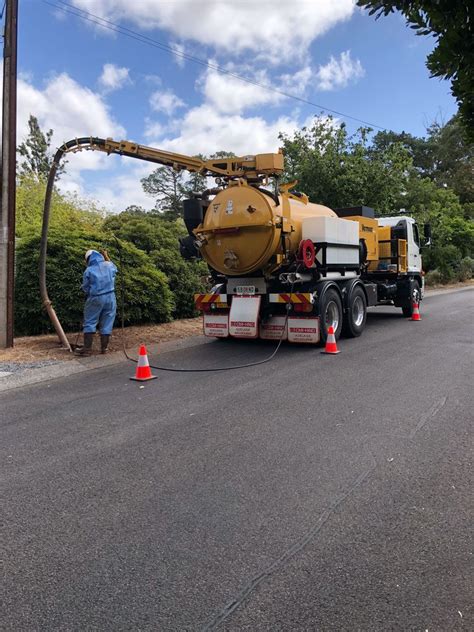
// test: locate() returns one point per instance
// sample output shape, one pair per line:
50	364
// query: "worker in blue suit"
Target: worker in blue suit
98	284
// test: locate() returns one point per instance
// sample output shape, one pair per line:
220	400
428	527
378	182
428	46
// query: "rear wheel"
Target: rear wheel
330	311
356	316
415	296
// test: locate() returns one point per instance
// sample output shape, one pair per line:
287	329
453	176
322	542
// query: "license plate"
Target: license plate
245	289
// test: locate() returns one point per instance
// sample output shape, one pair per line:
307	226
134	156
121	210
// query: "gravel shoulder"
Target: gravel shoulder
42	350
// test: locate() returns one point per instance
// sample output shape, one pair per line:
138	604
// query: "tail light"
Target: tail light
303	307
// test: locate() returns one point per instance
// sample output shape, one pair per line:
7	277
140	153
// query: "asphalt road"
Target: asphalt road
311	493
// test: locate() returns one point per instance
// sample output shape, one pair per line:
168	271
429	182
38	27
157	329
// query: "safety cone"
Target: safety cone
143	371
331	346
416	312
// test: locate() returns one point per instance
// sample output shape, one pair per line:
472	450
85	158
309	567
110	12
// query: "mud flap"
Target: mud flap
243	317
304	330
216	325
272	329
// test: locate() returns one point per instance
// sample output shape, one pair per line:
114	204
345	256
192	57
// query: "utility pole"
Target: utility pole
8	175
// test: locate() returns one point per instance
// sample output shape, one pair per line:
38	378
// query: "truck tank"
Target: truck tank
244	229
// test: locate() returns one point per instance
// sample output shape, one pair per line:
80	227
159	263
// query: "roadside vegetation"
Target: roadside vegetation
430	178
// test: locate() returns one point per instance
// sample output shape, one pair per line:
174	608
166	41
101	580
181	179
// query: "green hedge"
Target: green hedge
159	239
146	292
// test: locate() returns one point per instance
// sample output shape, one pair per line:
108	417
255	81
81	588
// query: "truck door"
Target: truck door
414	256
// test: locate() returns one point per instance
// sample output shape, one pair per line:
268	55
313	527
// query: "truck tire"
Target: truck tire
415	297
356	316
330	313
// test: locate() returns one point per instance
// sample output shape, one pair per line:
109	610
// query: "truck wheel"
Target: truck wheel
330	311
415	296
356	316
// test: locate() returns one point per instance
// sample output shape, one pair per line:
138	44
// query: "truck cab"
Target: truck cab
403	227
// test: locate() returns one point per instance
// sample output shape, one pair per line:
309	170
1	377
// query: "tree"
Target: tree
67	210
443	156
451	22
339	170
35	151
171	187
453	159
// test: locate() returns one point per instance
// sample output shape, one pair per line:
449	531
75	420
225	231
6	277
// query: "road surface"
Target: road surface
312	493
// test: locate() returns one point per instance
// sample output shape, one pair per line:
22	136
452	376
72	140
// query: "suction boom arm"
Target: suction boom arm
248	167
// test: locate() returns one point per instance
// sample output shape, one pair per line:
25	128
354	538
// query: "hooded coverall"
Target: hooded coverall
98	283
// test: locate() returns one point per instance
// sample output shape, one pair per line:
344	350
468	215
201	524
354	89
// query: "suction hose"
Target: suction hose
47	304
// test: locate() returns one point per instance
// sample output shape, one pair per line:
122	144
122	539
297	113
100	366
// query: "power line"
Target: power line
144	39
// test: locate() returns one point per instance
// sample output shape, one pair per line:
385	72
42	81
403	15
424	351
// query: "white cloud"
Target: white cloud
122	188
154	129
179	51
338	73
278	30
165	101
113	77
204	129
71	110
227	93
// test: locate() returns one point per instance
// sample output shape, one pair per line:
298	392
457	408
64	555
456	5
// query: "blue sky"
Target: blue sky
80	79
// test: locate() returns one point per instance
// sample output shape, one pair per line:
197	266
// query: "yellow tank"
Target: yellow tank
242	229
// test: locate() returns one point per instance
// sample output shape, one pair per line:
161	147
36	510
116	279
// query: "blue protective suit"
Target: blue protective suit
98	284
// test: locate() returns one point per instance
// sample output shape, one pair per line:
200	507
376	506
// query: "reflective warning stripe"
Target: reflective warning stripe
220	300
297	297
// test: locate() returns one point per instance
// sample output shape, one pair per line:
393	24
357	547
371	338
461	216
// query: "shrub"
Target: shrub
159	238
147	296
433	277
185	279
442	258
466	269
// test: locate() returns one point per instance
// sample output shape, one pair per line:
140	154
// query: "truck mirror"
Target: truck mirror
427	234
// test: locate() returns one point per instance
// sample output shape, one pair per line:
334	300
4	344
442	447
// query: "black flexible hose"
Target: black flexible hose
70	145
173	370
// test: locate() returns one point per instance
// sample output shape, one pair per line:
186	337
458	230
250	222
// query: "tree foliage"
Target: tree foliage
66	210
35	152
451	23
444	156
158	238
170	187
339	170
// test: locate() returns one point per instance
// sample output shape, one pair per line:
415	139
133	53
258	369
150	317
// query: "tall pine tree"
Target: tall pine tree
36	153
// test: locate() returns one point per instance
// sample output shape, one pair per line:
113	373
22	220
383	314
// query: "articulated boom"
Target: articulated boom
252	167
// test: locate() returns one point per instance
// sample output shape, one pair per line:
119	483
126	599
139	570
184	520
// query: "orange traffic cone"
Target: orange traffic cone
143	371
331	346
416	312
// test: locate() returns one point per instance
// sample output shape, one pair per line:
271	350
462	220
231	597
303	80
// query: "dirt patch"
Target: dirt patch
36	348
449	286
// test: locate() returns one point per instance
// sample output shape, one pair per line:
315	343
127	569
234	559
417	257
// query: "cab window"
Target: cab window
416	235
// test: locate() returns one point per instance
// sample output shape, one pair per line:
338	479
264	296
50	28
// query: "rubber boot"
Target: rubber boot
86	349
104	342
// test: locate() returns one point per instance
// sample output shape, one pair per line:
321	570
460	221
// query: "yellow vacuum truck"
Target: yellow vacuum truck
283	267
